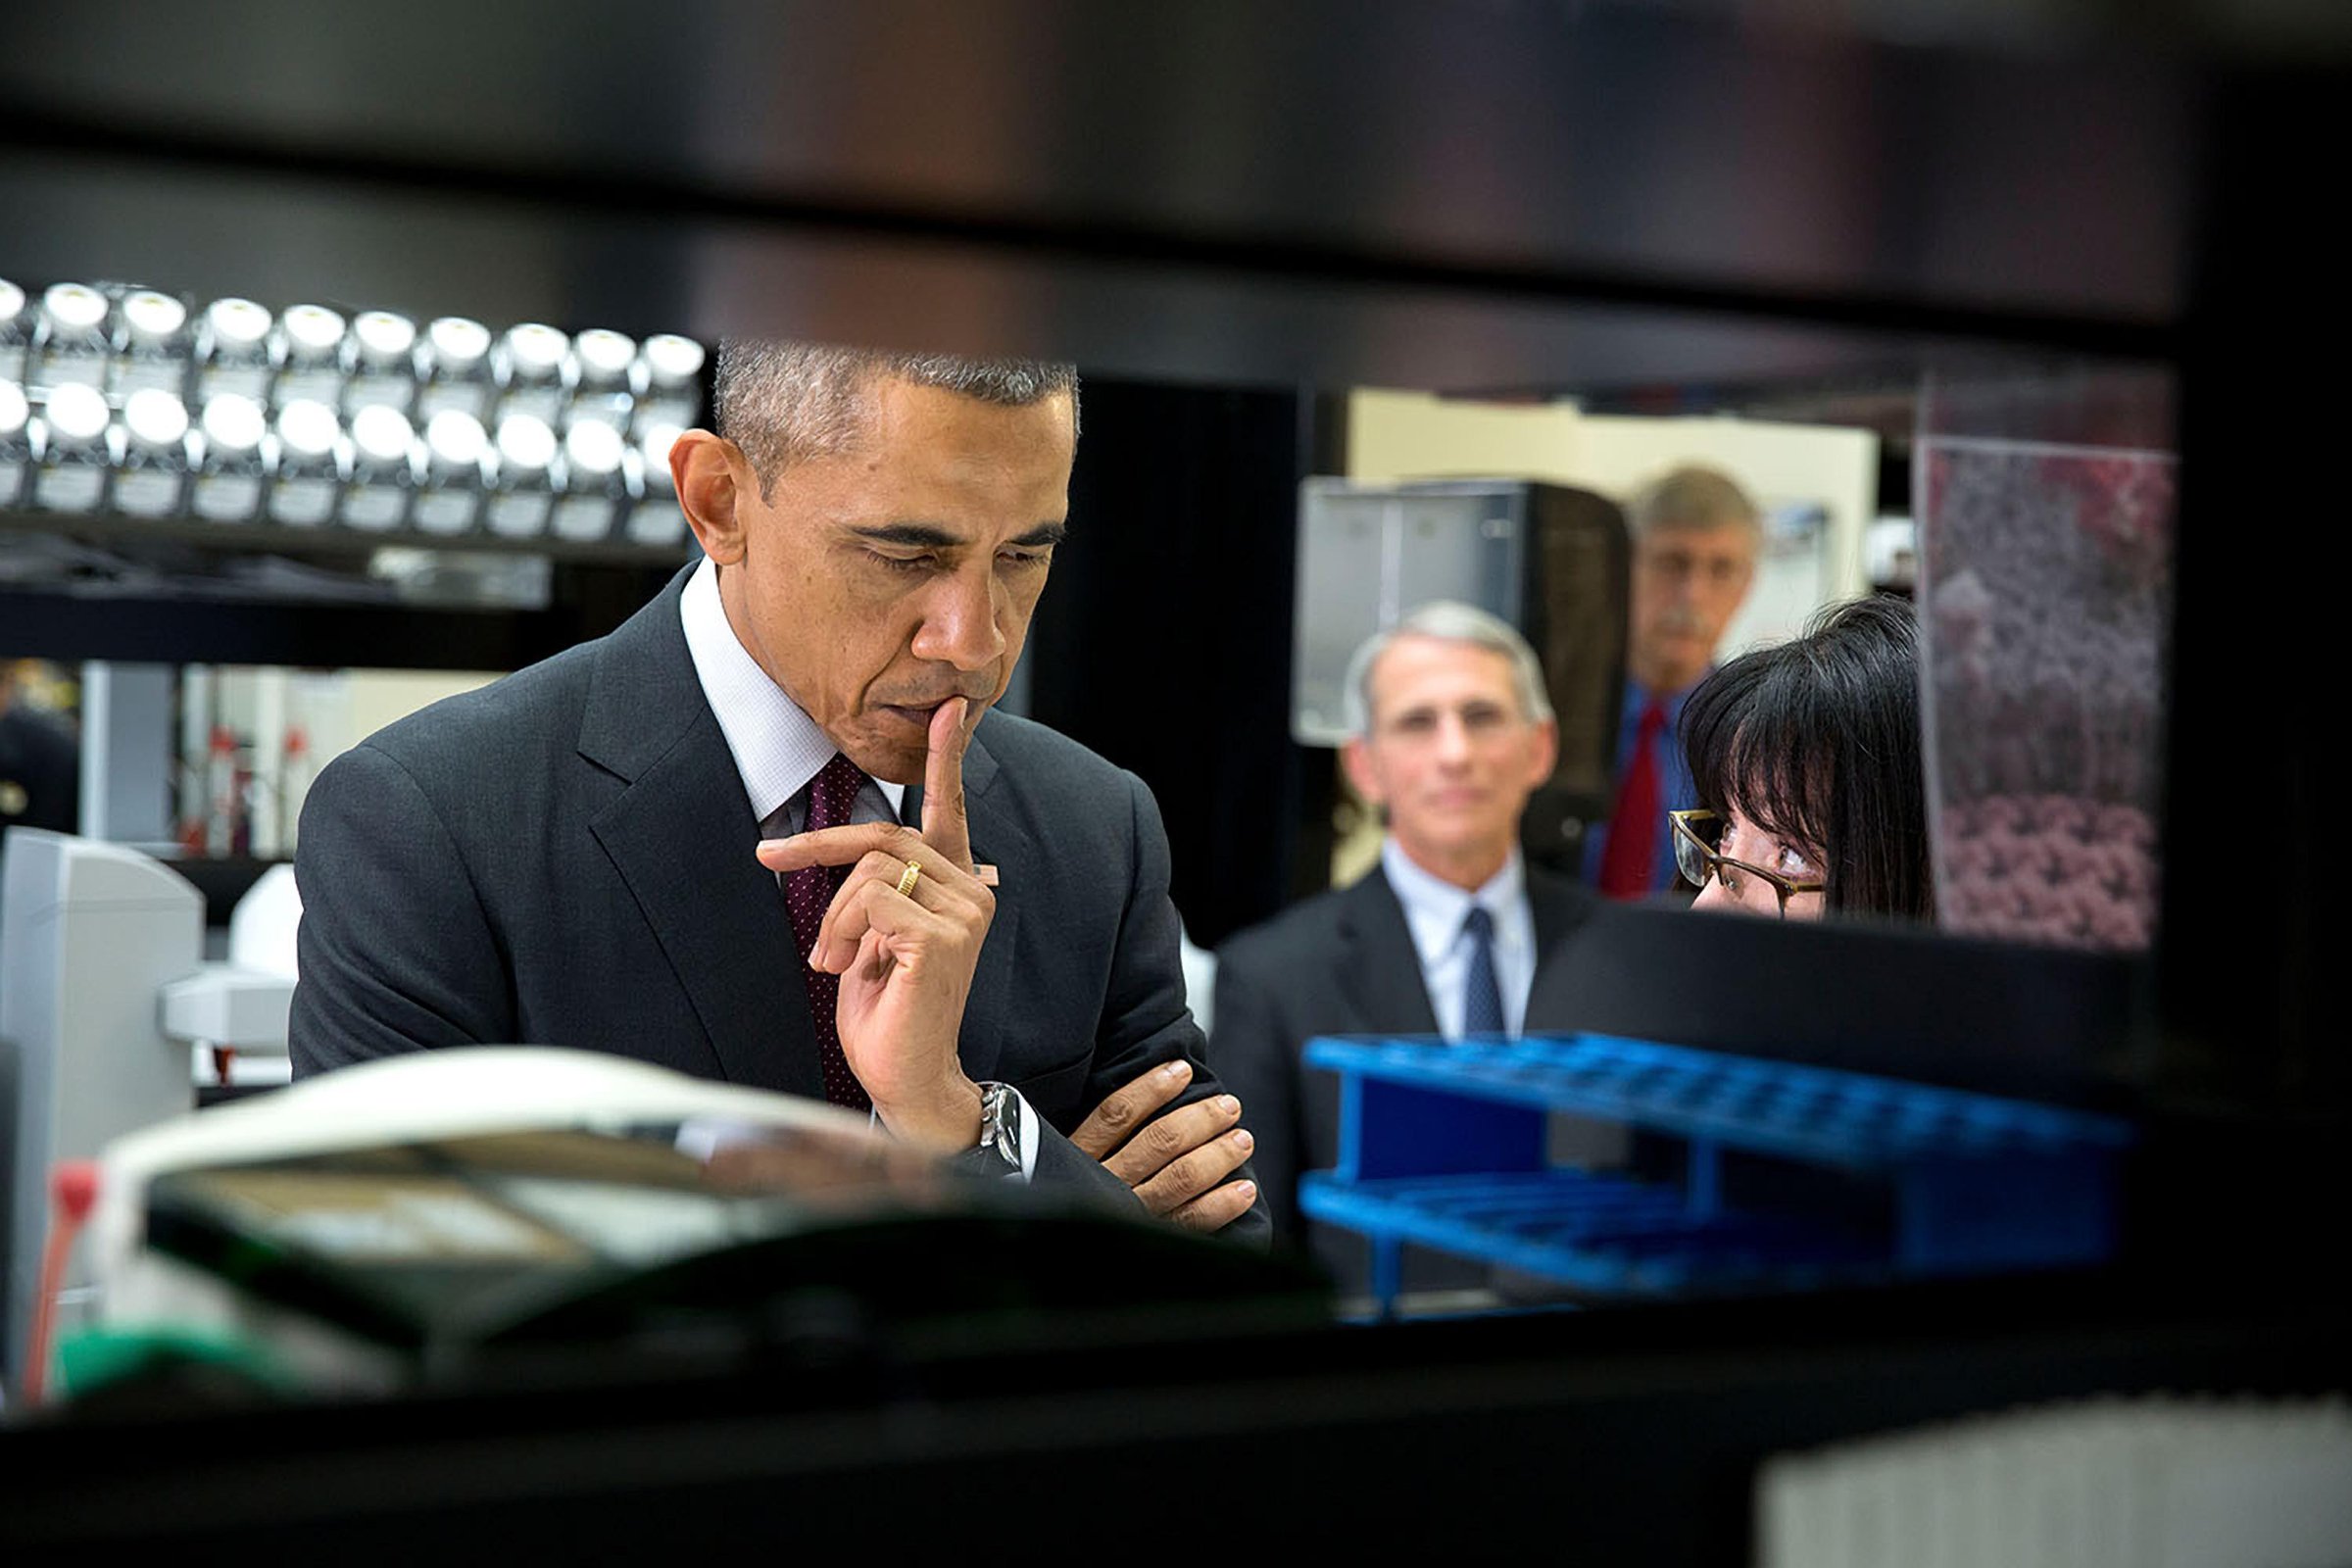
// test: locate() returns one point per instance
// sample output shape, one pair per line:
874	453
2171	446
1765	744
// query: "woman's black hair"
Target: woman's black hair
1817	740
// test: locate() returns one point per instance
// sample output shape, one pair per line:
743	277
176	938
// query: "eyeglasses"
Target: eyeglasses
1695	857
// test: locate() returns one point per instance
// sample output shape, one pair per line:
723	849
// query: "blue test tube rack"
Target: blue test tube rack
1443	1146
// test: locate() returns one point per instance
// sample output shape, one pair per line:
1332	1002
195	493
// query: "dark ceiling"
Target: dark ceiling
1594	197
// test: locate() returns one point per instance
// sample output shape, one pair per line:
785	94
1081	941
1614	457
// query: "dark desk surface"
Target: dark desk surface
1627	1436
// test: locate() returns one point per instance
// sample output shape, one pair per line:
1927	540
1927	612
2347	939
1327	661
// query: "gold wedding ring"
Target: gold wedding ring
907	879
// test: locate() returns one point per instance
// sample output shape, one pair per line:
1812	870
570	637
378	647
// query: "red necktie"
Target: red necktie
807	892
1627	859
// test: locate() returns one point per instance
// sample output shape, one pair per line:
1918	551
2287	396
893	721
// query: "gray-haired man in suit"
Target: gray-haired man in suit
688	841
1454	933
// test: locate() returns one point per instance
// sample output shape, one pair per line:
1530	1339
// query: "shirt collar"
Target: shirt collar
1638	697
1435	909
777	748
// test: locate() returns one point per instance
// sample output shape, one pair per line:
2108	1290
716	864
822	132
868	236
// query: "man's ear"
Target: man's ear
1547	751
1357	761
711	476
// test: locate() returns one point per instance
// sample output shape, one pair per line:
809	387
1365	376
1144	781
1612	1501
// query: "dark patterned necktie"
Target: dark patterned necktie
1482	998
808	894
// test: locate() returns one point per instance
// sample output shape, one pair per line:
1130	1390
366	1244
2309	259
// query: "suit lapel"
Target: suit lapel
997	840
681	836
1380	971
1559	907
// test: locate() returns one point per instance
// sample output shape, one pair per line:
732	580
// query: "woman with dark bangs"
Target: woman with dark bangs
1806	755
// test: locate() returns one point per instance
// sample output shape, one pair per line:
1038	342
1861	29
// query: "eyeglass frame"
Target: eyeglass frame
1786	888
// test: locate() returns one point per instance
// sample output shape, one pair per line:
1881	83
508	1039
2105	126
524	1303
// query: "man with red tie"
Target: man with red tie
1696	535
773	829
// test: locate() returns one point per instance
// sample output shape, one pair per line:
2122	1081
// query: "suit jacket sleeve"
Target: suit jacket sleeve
1257	1059
1144	1019
394	950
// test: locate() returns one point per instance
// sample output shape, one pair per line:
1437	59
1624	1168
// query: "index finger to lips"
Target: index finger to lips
944	826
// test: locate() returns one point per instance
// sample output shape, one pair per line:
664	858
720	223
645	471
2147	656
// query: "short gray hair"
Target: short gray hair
1694	496
784	402
1445	620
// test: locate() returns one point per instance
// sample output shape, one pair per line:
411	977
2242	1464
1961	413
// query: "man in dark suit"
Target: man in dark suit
1453	934
687	842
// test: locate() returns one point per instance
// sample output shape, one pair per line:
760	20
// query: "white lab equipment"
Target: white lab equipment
103	994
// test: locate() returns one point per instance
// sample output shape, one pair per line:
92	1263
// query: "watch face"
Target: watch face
1000	1122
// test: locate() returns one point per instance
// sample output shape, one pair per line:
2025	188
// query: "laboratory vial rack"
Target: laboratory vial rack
1445	1146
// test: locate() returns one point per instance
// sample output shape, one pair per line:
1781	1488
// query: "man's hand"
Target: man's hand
1174	1163
906	960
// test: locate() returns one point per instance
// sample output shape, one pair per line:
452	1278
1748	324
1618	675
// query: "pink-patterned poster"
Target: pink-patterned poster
2046	598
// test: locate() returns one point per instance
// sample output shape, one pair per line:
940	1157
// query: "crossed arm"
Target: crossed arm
904	934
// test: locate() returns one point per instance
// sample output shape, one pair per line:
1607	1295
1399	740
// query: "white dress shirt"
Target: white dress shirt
1434	912
777	747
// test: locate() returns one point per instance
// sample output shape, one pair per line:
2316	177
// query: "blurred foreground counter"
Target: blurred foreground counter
498	1300
460	1220
1625	1436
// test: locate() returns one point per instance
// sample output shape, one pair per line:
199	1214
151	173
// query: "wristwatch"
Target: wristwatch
1001	1123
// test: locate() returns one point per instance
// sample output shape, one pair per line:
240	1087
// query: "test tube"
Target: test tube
310	356
529	367
602	361
233	351
453	368
310	469
669	369
232	466
16	441
656	519
151	469
73	464
384	469
450	498
380	360
69	337
16	332
596	485
152	346
522	490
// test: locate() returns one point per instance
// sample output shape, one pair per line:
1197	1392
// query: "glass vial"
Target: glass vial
524	487
670	372
380	360
310	469
151	462
69	338
233	351
384	469
16	332
601	389
450	498
73	464
596	484
231	467
656	519
16	440
152	346
310	356
453	368
529	369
